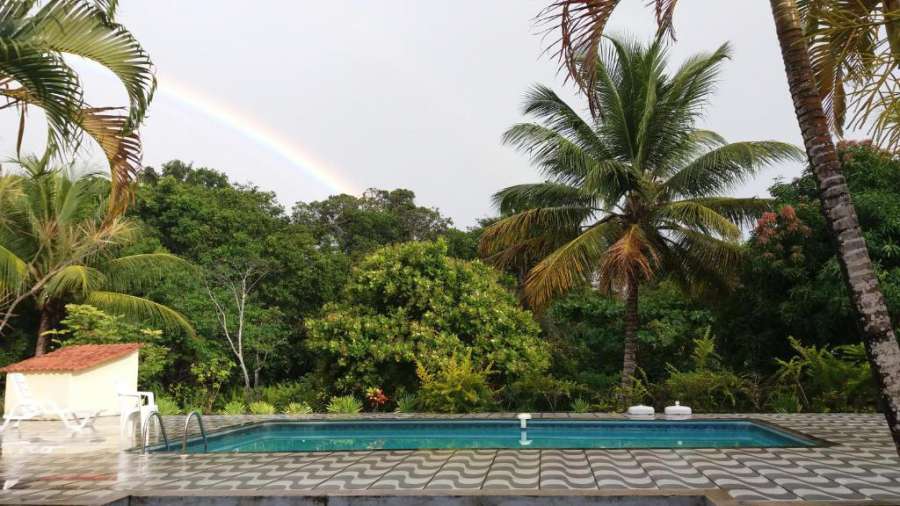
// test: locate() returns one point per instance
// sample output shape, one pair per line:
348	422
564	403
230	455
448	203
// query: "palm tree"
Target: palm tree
56	247
34	41
634	193
854	49
581	24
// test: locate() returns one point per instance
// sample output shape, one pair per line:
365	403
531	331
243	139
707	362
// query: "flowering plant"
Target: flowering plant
376	397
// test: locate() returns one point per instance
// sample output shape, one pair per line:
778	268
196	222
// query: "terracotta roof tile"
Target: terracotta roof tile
73	358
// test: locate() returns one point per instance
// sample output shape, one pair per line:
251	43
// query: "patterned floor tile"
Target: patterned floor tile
316	472
414	472
618	469
566	469
465	469
514	470
364	472
668	469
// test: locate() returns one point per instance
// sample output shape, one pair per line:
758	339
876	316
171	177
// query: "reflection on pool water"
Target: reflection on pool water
305	436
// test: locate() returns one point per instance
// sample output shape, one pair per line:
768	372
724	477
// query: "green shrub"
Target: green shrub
167	406
457	386
262	408
412	303
539	392
282	394
823	380
297	408
782	400
709	387
345	404
234	408
406	403
581	406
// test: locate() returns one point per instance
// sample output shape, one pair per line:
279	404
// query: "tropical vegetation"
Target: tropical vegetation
637	192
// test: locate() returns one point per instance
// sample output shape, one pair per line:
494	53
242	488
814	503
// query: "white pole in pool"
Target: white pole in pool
523	420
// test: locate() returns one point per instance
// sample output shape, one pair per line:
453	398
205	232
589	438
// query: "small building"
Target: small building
84	377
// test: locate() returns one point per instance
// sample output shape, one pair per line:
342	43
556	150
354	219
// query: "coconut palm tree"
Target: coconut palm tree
581	24
57	246
632	194
36	38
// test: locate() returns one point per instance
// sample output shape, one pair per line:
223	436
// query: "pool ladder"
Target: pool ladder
184	435
146	431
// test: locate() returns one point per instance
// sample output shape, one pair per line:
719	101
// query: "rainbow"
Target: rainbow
255	130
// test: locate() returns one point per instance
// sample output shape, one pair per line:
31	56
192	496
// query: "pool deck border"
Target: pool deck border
859	465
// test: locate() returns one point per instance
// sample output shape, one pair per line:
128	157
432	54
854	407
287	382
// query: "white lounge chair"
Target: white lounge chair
134	408
29	408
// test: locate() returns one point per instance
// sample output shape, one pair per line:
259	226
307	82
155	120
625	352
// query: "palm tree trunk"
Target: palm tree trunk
49	319
872	316
629	364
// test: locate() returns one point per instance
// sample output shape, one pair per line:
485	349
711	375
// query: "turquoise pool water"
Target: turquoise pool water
435	434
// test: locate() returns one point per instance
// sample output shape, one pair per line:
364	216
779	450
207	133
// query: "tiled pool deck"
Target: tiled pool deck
860	466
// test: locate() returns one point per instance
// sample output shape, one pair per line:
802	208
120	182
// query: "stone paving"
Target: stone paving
860	465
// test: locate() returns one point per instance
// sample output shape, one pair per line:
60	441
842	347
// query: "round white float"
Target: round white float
678	411
641	411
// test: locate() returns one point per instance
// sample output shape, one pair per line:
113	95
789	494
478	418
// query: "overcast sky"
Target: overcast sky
391	93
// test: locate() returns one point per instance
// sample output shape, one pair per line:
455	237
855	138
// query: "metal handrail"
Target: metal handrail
184	436
146	431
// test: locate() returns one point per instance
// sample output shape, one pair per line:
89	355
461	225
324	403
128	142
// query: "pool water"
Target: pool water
306	436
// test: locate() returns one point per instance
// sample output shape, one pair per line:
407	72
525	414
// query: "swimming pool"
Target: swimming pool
307	436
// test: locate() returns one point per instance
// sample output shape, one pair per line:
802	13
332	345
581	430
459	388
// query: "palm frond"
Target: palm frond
85	29
579	27
77	280
31	75
13	271
740	211
573	263
694	215
122	149
632	256
526	224
721	169
516	198
140	310
141	271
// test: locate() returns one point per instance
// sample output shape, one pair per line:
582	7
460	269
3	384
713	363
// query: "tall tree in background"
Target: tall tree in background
57	247
581	25
636	192
35	40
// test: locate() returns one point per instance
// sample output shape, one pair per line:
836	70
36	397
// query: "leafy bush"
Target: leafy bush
167	406
412	303
344	404
539	392
709	387
234	408
455	386
581	406
822	379
262	408
297	408
282	394
406	403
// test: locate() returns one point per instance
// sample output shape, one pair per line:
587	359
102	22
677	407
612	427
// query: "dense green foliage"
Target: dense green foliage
791	282
412	303
376	322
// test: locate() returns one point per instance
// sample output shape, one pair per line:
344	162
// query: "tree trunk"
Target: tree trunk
873	319
629	364
49	318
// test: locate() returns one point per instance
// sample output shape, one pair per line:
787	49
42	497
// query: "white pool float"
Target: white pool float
678	412
641	412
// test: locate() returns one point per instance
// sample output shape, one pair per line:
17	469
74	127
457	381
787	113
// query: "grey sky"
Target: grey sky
408	94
